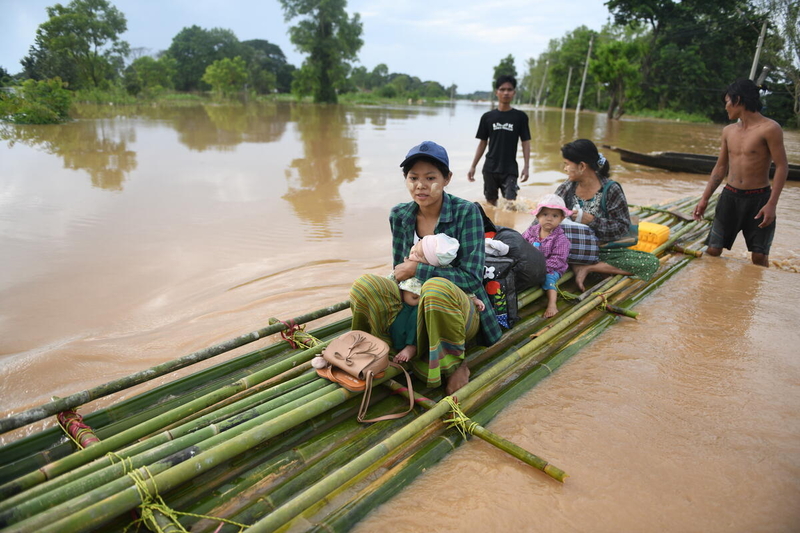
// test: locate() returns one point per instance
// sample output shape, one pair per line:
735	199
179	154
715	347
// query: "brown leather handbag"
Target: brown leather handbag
354	360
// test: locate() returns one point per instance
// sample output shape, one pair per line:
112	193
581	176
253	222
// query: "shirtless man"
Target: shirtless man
747	203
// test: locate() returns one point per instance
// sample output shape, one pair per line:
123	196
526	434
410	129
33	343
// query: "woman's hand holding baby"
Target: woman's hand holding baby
405	270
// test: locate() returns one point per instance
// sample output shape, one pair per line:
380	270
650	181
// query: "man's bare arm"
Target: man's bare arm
526	157
718	174
777	152
478	154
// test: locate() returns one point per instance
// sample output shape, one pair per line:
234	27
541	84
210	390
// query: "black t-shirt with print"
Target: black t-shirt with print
502	129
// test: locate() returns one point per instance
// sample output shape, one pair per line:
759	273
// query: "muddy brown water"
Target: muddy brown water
133	236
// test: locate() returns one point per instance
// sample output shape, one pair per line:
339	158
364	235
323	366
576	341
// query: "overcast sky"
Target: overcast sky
449	41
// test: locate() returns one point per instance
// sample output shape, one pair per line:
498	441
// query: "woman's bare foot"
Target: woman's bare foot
552	310
458	379
406	354
581	271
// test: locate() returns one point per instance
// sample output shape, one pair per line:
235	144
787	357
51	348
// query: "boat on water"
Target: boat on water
684	162
261	440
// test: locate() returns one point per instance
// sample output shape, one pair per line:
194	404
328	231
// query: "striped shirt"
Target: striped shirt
461	220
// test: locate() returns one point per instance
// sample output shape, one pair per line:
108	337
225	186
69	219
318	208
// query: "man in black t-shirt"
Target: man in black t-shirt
500	128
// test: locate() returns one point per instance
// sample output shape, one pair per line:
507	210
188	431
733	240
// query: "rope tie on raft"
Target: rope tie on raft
292	334
460	420
154	503
76	429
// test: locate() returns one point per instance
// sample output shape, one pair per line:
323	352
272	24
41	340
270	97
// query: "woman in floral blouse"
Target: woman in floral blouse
588	172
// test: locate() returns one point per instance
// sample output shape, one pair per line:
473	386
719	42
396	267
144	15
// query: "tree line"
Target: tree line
81	44
670	58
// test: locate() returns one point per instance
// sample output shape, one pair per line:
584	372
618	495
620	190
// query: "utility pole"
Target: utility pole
758	50
583	82
530	88
566	93
541	87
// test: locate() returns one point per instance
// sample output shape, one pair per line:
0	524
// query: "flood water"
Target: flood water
133	236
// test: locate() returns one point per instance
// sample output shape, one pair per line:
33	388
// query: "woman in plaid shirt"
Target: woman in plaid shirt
447	318
587	172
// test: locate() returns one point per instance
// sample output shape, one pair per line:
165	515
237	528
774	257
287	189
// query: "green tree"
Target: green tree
86	34
226	76
40	102
332	40
195	48
267	66
505	67
155	72
42	63
359	77
561	54
433	89
5	77
616	65
379	76
692	51
782	54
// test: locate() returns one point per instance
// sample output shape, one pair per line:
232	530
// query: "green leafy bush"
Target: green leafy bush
37	102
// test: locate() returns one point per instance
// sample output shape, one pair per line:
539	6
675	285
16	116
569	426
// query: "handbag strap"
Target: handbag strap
362	411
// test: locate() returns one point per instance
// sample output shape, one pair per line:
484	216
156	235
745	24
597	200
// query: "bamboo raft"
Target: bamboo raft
262	441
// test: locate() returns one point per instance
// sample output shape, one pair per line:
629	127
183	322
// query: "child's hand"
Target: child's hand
479	305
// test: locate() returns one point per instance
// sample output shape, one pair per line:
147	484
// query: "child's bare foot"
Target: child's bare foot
458	379
406	354
552	310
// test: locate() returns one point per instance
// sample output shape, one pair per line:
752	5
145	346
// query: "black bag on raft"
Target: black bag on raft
522	268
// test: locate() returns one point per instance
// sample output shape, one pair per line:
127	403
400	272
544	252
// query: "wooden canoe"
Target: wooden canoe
684	162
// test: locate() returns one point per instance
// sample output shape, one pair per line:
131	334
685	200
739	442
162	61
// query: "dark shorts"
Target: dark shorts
493	181
736	212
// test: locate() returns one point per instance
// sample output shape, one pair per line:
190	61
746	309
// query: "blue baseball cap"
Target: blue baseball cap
427	149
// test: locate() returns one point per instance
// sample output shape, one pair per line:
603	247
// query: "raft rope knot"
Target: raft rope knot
72	420
154	503
604	299
460	420
292	334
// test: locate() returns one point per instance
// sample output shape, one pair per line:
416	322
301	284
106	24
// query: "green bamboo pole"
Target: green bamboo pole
106	468
40	459
112	479
29	453
287	392
496	385
75	400
266	470
481	432
390	483
279	456
94	515
344	518
267	496
84	456
609	307
366	462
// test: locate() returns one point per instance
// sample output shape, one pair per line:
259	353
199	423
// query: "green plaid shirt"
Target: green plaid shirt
461	220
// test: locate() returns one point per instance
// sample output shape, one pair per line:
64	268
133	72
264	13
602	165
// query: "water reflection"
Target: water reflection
99	147
329	148
380	116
